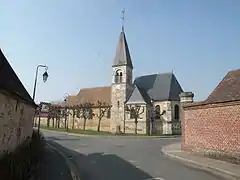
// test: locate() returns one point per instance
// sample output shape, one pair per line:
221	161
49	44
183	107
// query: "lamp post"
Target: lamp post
65	111
152	117
45	76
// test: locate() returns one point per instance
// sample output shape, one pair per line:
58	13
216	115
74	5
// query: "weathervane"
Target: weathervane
123	11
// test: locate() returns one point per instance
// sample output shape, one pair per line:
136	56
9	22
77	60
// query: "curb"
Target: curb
90	135
213	170
71	166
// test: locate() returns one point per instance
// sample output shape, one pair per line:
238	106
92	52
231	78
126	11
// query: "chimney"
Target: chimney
186	97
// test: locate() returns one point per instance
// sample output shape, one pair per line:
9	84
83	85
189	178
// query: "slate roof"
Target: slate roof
159	87
10	82
138	96
122	56
227	90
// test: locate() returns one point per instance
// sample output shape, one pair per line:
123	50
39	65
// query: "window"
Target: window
109	113
118	76
132	113
157	112
176	112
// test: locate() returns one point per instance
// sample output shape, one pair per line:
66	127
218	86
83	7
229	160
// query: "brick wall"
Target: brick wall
211	127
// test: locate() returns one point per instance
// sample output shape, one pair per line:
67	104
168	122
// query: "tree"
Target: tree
74	113
135	112
54	113
103	108
51	114
85	111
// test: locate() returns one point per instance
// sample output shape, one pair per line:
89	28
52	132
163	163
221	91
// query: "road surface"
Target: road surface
123	158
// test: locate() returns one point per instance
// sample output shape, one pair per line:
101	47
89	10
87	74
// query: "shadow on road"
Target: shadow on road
100	166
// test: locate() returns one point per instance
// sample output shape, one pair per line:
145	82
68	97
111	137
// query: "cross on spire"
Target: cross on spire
123	18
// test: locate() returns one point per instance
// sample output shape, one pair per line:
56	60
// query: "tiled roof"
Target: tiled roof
91	95
10	82
122	56
227	90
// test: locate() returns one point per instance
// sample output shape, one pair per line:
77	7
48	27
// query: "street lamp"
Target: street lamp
152	117
65	111
45	77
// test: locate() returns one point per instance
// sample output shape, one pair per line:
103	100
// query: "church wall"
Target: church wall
91	124
162	125
120	92
176	122
142	122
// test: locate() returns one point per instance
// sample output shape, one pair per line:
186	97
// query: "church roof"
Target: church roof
122	56
159	87
91	95
10	82
227	90
138	96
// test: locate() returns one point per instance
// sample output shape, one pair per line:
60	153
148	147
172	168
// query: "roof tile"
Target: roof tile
228	89
91	95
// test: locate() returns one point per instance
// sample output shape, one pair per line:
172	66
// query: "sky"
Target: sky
196	39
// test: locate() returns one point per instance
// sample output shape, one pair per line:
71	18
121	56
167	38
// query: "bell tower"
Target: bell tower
121	81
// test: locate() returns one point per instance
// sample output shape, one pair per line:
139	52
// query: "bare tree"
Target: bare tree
74	113
51	114
103	108
135	112
85	111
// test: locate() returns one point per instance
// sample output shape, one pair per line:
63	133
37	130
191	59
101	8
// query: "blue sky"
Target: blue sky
198	39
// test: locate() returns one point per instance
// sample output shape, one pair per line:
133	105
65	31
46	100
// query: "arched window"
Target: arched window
132	113
157	112
176	112
118	76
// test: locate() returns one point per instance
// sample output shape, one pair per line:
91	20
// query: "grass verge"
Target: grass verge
91	132
77	131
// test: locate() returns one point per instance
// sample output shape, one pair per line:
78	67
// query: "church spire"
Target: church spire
122	56
123	12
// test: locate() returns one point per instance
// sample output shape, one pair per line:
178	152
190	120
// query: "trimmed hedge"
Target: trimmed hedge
23	163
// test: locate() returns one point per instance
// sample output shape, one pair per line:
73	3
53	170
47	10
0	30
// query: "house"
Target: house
211	127
17	108
156	94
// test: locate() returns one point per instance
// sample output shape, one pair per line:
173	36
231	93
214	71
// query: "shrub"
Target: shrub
22	163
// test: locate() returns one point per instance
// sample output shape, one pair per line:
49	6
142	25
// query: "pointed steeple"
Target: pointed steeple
122	56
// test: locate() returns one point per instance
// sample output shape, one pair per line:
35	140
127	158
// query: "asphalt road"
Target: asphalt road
123	158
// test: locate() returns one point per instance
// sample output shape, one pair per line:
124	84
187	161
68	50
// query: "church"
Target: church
155	98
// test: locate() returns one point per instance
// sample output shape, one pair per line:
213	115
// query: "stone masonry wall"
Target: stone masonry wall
211	127
16	122
161	126
91	124
142	123
120	92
